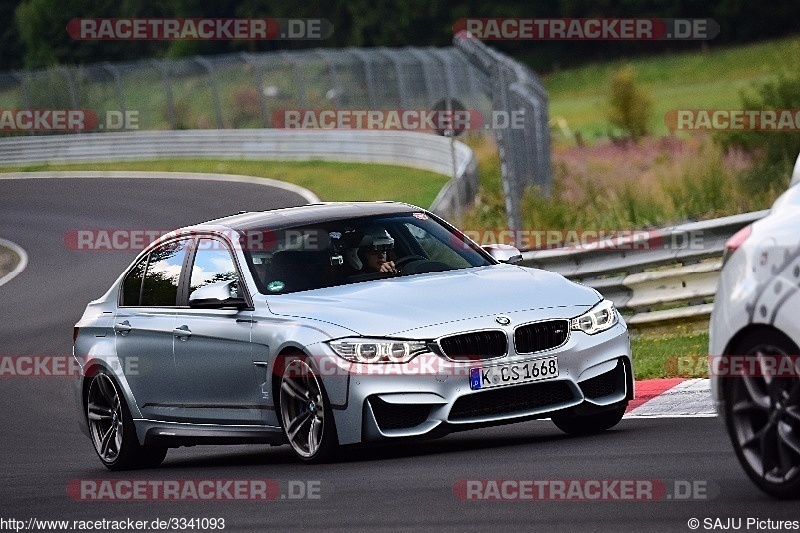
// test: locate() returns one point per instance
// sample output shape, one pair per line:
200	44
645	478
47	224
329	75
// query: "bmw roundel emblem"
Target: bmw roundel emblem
503	320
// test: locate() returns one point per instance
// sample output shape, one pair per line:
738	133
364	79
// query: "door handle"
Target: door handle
182	332
123	328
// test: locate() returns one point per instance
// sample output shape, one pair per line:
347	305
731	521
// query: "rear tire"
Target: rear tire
587	424
111	428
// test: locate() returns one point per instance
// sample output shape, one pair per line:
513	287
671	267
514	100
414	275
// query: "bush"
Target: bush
775	152
631	106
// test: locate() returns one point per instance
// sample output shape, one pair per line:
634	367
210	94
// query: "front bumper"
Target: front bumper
595	372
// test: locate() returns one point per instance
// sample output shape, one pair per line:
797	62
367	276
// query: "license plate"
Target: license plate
512	374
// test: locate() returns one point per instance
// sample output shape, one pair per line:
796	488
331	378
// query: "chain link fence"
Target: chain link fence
247	90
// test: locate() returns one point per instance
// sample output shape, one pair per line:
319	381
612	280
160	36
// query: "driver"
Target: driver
371	254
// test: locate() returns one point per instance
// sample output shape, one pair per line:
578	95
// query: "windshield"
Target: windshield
351	251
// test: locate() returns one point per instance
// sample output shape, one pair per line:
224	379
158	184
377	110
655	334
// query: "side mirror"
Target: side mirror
215	296
503	253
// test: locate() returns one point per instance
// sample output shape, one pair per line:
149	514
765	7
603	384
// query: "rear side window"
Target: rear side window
163	271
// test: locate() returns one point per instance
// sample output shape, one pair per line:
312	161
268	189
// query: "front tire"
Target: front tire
587	424
306	414
762	414
111	428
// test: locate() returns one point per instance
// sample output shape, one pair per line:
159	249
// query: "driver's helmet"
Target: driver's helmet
375	238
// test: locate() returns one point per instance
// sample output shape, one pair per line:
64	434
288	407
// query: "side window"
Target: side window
160	287
132	286
213	263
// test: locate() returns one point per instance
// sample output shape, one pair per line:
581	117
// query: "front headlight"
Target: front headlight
599	318
377	350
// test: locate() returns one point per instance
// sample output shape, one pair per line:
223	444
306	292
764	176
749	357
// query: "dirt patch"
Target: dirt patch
8	260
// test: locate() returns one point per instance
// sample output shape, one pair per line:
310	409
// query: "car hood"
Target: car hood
396	305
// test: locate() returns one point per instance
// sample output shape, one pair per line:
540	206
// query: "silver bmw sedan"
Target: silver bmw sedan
335	324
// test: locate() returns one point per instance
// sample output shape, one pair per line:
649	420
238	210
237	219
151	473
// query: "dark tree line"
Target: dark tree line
33	32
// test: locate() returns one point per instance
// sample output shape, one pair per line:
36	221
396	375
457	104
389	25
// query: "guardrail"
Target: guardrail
655	276
404	148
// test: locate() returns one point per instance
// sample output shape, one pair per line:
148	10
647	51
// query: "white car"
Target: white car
335	324
753	346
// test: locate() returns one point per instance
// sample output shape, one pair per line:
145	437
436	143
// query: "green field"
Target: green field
331	181
706	79
681	353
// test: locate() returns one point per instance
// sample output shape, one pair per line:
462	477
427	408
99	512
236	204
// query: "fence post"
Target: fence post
167	90
336	86
26	97
212	78
401	86
73	97
117	83
259	82
369	75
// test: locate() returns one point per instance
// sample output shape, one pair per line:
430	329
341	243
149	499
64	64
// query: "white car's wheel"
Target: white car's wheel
111	428
762	414
305	413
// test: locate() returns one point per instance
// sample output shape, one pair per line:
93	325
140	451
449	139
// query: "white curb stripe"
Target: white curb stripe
690	398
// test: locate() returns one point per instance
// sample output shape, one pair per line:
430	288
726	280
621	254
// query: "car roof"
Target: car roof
309	214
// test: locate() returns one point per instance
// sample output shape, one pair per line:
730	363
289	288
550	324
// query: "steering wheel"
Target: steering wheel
403	261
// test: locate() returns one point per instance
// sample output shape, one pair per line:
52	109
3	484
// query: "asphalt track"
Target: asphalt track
400	487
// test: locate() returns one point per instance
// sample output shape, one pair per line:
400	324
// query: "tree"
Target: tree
631	106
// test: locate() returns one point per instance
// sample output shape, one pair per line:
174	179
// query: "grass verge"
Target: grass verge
670	355
331	181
